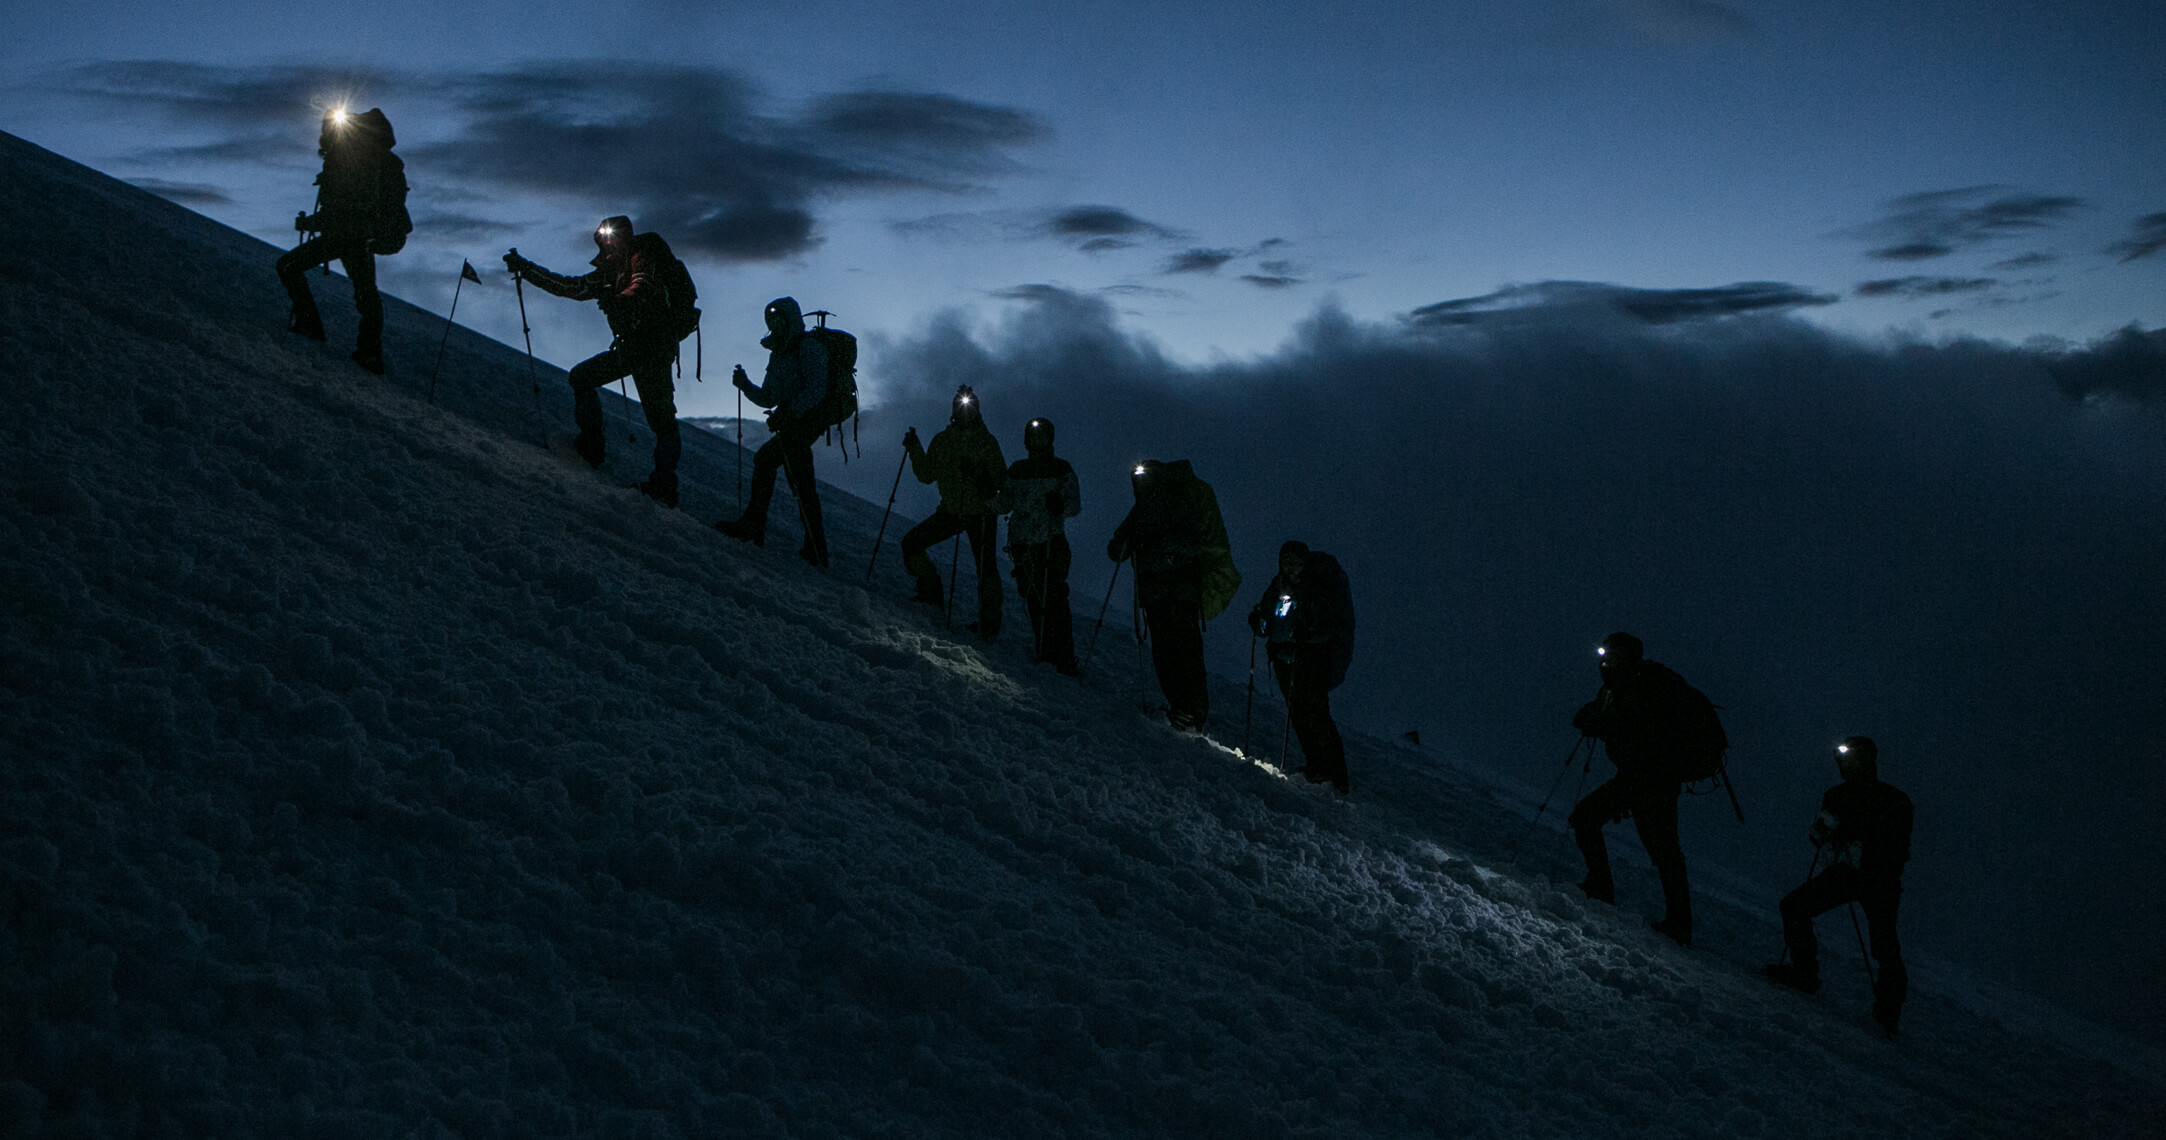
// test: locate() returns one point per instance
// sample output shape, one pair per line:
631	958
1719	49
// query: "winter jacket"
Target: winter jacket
796	379
630	288
1316	615
1637	713
1867	824
1023	499
361	181
1175	534
965	460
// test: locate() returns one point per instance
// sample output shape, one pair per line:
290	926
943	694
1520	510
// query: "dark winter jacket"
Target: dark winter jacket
1177	538
1040	495
1867	824
965	460
362	183
796	378
630	288
1639	713
1315	616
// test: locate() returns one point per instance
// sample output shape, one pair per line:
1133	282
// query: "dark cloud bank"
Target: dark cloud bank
1956	548
692	152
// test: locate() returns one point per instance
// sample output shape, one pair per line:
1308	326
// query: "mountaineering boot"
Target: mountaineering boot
744	530
814	553
1886	1014
662	489
1794	976
370	359
928	592
307	322
1599	886
590	446
1677	900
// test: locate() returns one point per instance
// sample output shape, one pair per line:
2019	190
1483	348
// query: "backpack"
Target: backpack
840	401
1693	733
678	292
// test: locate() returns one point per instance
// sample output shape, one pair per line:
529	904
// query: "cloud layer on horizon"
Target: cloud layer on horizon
1828	534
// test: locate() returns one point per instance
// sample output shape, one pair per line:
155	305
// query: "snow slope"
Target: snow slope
372	771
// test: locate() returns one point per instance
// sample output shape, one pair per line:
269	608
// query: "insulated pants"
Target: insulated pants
353	256
984	556
1305	682
648	366
1878	896
1175	622
790	451
1653	808
1041	576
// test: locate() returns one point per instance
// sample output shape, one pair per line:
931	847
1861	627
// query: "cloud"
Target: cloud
2027	261
1100	221
1269	281
462	227
1090	229
1198	261
2131	363
1923	286
690	151
1936	223
2145	238
1550	301
185	193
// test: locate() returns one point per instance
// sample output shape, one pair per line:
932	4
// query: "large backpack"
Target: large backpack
840	402
678	292
1692	732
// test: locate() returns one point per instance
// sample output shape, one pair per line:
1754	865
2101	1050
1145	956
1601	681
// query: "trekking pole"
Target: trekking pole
629	435
1248	708
518	285
741	456
1871	978
1093	650
1551	794
1725	775
1287	698
466	270
882	536
1809	873
955	559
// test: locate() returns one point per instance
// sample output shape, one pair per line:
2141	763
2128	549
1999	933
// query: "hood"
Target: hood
783	311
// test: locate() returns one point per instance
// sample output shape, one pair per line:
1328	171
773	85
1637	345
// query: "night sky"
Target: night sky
1807	341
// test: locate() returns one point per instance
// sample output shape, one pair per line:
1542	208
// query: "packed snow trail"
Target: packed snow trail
372	771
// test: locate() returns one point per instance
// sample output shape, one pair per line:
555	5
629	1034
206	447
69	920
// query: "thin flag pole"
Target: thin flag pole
466	274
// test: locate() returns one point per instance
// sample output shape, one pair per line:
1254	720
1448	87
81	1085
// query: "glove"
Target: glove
738	377
1117	550
1583	720
516	263
1256	621
302	223
910	440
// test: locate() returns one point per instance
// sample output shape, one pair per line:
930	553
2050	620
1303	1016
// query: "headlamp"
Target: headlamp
1601	651
1843	749
1138	471
338	116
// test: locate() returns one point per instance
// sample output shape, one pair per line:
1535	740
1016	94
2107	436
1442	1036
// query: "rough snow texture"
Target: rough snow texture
372	771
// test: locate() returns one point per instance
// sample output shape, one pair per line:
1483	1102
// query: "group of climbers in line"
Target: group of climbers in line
1661	733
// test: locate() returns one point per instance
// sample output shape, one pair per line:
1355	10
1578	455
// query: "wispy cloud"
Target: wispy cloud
2027	261
1936	223
1691	21
185	193
1549	301
2146	237
1198	261
1924	286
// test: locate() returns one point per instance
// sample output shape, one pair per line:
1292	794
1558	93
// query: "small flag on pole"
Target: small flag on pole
466	270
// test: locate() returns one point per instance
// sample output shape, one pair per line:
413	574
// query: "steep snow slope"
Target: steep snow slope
371	771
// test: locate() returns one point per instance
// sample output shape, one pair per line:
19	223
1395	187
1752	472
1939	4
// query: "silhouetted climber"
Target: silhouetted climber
360	213
793	389
1184	577
1866	825
1040	495
966	462
1307	615
1645	713
647	295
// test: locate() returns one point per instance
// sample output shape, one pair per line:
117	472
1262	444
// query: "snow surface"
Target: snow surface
372	771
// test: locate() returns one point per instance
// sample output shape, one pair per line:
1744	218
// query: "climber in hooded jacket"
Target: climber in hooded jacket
1306	616
628	281
361	212
1184	577
966	462
793	388
1634	714
1041	494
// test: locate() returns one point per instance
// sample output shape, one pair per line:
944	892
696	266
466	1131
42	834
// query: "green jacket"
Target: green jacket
965	460
1177	538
